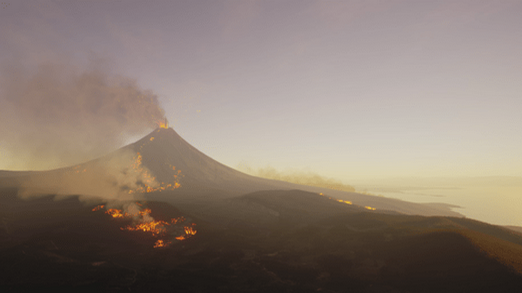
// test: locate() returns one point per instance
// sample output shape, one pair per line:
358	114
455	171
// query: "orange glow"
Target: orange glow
148	180
115	213
190	231
163	124
344	201
152	138
154	227
98	208
175	220
369	208
161	243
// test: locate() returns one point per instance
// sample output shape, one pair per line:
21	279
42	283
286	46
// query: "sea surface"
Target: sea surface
495	200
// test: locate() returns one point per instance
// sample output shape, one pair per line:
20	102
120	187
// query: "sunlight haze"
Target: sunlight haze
349	90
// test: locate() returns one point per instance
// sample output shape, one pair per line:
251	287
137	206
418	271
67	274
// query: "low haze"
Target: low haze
349	90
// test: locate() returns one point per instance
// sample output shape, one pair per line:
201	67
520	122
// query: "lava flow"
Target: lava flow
145	223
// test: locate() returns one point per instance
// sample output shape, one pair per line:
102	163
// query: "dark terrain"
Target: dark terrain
63	246
253	235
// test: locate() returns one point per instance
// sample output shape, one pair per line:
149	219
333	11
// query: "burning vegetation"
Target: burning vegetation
143	221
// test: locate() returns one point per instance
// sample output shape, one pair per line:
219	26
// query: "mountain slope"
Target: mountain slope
169	159
203	176
277	238
65	246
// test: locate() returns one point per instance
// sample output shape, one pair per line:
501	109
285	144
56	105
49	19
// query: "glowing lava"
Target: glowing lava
163	124
340	200
98	208
189	232
161	243
344	201
154	227
115	213
145	223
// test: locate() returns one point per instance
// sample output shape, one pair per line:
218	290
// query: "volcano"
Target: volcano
170	160
166	153
203	178
200	226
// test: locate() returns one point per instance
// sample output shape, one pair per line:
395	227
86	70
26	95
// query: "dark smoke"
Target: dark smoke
58	115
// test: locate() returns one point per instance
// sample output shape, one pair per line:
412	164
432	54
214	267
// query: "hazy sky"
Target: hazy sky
347	89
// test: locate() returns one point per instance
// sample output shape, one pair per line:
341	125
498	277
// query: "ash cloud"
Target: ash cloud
303	178
58	115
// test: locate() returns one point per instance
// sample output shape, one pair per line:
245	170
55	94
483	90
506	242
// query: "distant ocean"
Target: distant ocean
492	202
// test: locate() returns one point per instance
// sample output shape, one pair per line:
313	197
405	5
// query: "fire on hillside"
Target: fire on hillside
143	221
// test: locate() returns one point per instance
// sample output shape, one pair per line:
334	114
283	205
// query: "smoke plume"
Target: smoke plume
303	178
58	115
109	179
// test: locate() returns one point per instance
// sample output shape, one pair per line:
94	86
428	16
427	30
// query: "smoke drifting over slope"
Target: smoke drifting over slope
303	178
109	179
58	115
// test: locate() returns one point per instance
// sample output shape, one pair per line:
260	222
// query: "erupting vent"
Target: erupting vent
163	124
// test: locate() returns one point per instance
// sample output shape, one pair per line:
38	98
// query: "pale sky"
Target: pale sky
346	89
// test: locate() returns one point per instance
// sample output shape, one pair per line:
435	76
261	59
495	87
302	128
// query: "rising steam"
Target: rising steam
303	178
58	115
